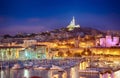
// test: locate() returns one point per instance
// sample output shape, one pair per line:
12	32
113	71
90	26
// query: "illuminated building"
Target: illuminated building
106	51
115	41
76	44
9	52
108	41
34	52
28	43
72	25
102	42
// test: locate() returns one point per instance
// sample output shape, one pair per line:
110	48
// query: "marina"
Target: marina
55	68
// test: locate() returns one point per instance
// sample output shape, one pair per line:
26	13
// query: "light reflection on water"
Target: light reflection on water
27	73
117	74
89	75
1	74
74	72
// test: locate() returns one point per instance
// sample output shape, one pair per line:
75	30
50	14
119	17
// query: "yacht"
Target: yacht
16	67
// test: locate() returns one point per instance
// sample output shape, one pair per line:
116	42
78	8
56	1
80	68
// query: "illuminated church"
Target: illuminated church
72	25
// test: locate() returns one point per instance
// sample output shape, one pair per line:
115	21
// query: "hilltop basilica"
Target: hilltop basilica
72	25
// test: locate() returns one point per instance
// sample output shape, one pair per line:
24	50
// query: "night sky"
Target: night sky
41	15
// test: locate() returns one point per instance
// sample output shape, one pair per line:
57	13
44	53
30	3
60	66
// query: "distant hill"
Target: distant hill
81	30
61	33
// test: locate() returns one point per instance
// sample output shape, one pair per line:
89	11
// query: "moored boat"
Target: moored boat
16	67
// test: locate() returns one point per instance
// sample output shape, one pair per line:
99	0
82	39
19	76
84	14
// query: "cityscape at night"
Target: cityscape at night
59	39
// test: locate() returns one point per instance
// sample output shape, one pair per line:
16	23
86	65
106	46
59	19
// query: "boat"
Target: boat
35	66
28	65
54	67
16	67
89	71
40	68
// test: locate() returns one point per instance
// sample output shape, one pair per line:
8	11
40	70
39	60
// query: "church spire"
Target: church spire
72	25
73	21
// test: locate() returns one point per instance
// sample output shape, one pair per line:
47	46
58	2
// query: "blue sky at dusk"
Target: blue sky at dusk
41	15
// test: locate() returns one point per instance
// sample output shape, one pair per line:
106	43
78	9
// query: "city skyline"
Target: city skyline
36	16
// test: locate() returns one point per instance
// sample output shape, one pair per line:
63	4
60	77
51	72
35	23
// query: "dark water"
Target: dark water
89	76
28	73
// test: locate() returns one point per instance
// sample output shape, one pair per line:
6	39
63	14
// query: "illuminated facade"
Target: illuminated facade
10	52
109	41
102	42
20	53
106	51
115	41
28	43
34	52
72	25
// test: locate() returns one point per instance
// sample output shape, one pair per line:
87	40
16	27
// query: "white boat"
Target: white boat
27	66
16	66
89	71
54	67
35	66
40	68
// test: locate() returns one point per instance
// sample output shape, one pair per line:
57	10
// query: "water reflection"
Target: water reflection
89	75
117	74
26	73
1	74
72	73
111	75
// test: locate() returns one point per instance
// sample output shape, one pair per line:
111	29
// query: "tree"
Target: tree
77	55
7	36
68	53
60	54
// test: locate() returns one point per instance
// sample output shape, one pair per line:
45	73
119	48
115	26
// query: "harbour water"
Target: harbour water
29	73
72	70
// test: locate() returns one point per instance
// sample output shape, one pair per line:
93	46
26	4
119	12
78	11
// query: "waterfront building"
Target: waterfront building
76	43
9	52
34	52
